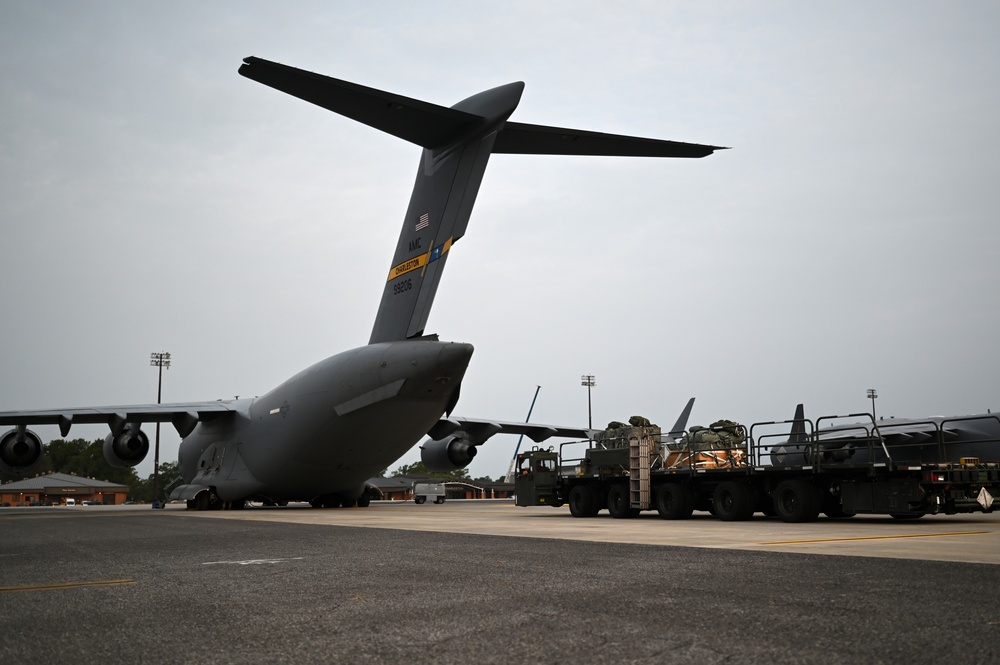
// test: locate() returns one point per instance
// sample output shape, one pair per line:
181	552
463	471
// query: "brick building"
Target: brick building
400	488
55	488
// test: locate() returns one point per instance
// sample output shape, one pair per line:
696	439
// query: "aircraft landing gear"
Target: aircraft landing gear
325	501
207	500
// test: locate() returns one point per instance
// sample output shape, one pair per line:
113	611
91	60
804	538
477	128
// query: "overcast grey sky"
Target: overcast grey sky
153	199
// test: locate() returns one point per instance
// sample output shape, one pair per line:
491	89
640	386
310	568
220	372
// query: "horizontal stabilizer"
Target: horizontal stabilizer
521	139
428	125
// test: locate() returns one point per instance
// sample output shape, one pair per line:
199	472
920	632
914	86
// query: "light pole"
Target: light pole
589	381
160	360
872	395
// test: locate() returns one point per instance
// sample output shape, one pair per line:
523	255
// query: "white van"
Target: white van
70	502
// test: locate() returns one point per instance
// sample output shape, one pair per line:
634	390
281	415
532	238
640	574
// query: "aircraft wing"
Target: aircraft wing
478	431
182	415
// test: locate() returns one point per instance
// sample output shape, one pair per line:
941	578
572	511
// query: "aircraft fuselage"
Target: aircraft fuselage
329	428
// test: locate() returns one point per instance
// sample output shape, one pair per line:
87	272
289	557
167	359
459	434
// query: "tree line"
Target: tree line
84	458
420	469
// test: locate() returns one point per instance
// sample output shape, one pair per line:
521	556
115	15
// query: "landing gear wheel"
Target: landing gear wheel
906	516
364	500
582	502
675	501
619	503
207	500
796	501
733	501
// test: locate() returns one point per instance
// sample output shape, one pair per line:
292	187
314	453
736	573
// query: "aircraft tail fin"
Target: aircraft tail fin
680	427
457	143
798	431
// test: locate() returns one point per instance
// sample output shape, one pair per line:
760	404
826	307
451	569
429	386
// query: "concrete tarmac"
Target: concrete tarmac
970	538
98	585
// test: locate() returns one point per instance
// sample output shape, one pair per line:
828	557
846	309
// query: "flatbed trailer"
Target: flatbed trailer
794	476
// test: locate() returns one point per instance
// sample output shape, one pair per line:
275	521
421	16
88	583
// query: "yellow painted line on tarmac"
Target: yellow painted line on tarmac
856	538
63	585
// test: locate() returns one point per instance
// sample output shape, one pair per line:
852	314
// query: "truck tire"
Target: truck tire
619	502
675	501
583	501
833	509
733	501
419	499
765	505
796	501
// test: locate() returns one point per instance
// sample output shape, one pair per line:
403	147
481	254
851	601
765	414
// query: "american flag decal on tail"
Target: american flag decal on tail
423	222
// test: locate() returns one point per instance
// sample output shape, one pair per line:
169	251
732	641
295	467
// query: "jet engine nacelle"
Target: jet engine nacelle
20	449
128	448
448	454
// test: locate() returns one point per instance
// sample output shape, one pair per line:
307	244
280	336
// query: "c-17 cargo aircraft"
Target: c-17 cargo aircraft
930	440
321	434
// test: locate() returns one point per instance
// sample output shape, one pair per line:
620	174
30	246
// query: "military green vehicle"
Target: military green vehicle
733	472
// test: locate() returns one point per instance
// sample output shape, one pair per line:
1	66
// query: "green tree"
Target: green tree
81	458
420	469
170	477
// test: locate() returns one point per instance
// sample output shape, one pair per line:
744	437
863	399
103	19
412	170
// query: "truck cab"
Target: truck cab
537	479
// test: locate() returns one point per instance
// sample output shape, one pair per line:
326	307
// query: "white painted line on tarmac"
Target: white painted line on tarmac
250	562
